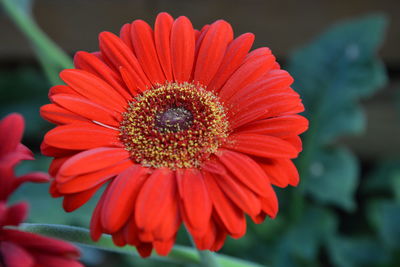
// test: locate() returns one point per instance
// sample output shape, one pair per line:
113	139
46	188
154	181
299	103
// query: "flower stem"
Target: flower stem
179	254
37	37
208	258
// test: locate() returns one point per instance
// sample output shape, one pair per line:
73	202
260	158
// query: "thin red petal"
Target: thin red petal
93	160
155	199
143	43
120	200
162	34
262	146
212	51
182	49
80	136
74	201
233	58
58	115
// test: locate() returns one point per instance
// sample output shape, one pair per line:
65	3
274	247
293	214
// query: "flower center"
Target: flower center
175	125
174	120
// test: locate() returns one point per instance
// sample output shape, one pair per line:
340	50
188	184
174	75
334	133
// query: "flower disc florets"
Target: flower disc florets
175	125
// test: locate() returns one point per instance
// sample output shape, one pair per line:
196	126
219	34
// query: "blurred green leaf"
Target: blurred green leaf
355	251
384	215
333	178
332	74
303	240
384	178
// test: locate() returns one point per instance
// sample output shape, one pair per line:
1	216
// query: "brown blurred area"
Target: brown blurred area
280	25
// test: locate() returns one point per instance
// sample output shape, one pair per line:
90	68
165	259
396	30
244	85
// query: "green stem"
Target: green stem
208	258
38	38
81	236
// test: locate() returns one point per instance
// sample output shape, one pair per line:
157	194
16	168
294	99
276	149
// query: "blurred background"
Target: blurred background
344	56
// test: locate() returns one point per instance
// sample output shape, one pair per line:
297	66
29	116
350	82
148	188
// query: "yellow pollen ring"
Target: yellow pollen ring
184	145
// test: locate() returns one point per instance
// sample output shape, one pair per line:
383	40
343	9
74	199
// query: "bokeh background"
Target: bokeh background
344	56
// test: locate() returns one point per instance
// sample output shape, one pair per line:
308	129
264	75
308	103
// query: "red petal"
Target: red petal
44	259
74	201
196	201
246	171
143	43
80	136
170	223
38	243
283	126
91	63
262	146
254	66
58	115
212	51
231	216
234	56
93	160
164	247
125	35
155	199
121	197
11	131
87	109
182	49
94	88
281	172
74	184
162	33
15	214
62	89
120	55
13	255
95	223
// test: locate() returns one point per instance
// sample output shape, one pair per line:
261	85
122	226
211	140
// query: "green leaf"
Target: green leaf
384	215
302	241
333	178
355	251
385	178
334	71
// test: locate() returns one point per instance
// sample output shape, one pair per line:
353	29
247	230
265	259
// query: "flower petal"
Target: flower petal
91	63
121	197
74	184
281	172
233	58
74	201
87	109
120	55
93	160
58	115
162	34
155	199
212	51
246	170
143	43
11	131
94	88
256	64
182	49
80	136
262	146
196	201
15	255
231	216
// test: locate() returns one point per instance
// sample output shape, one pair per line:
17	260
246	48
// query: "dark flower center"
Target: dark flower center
174	125
174	119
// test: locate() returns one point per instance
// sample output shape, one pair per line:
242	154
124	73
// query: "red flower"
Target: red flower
23	249
11	153
180	125
18	248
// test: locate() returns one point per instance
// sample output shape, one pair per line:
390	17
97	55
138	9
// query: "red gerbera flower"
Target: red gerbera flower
11	153
23	249
183	126
18	248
